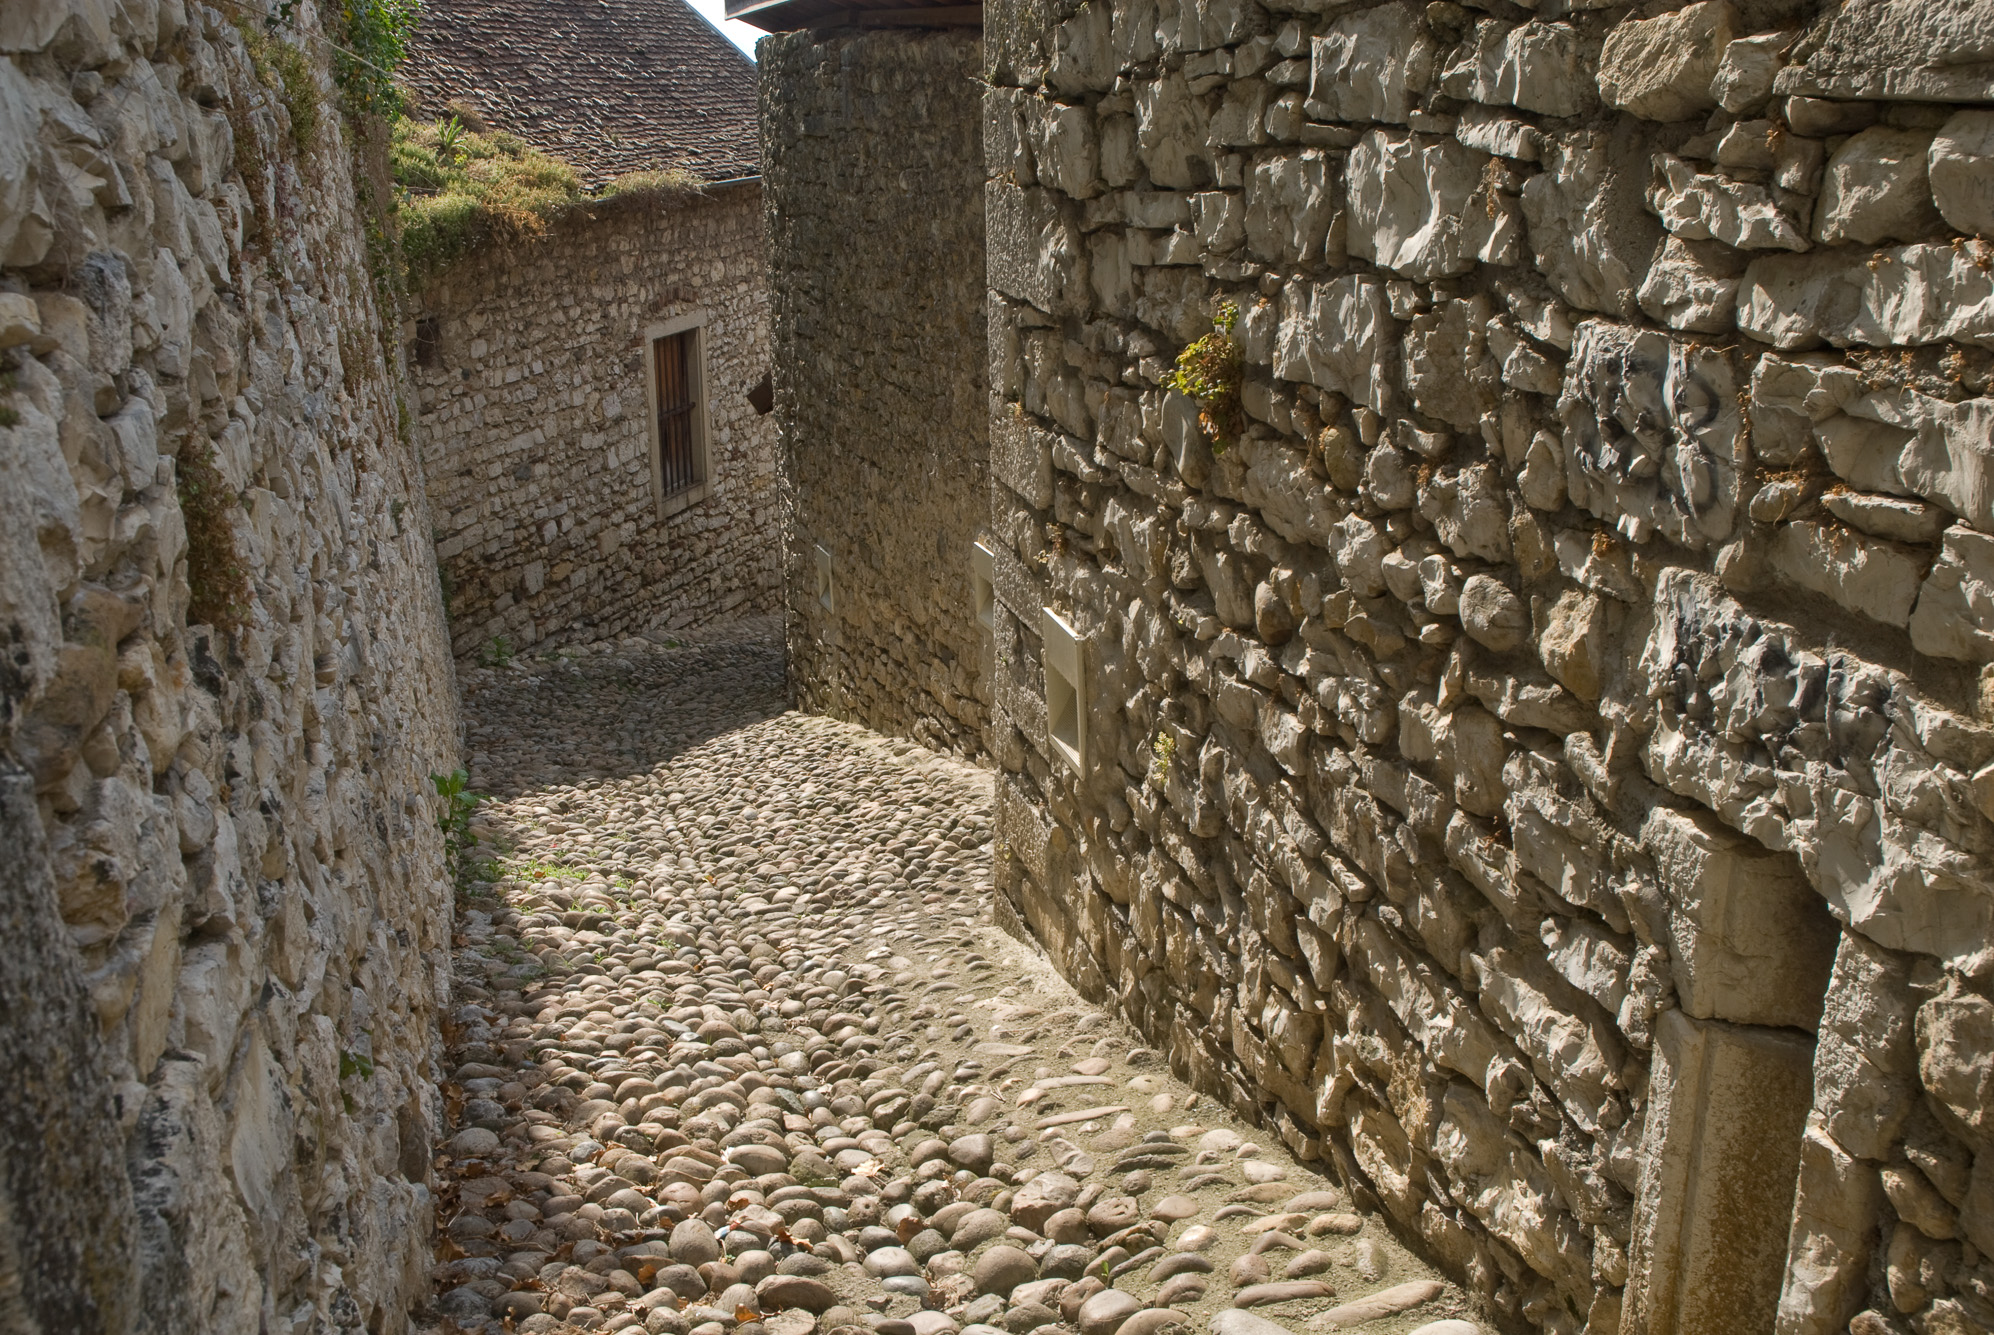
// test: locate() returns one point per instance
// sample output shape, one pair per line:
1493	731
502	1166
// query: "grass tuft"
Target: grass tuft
463	189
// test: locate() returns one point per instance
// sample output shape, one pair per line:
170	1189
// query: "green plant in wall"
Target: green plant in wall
459	843
216	576
286	71
496	653
1209	371
1163	749
377	40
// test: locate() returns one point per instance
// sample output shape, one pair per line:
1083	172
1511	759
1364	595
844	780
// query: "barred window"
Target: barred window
677	374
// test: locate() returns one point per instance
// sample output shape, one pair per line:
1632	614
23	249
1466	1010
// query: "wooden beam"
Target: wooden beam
929	16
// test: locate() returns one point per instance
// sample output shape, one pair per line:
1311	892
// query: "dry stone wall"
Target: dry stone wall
221	885
1534	746
532	362
872	156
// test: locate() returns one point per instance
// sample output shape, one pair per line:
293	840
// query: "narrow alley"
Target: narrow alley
736	1047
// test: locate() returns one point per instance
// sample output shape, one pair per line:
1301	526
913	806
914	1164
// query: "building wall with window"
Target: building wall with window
562	513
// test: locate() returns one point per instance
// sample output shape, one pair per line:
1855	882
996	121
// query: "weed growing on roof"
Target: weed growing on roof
462	189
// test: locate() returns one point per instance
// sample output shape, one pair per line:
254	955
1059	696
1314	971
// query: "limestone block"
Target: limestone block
1035	252
1652	433
1752	942
1661	68
1866	1063
1961	169
1533	65
1367	65
1835	1208
1007	148
1468	510
1333	335
1956	1061
1493	616
1877	579
1878	188
1419	205
1291	208
1573	643
1290	498
1726	1110
1171	133
1954	617
1693	286
1891	871
1746	70
1065	151
1902	296
25	224
1021	457
1588	228
1506	1186
1887	516
1489	131
1241	118
1359	549
1446	362
1920	50
1701	207
1080	53
1947	456
1218	221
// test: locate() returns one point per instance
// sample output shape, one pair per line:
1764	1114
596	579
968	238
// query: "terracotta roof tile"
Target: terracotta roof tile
610	86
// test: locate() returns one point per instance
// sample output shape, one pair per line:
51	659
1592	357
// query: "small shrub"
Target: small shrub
1163	747
462	188
496	653
459	843
670	181
1209	371
286	71
471	191
377	41
216	576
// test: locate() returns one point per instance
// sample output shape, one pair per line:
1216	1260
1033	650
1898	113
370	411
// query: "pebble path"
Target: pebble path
736	1050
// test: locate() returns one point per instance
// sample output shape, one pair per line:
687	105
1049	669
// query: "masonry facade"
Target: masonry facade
872	144
1521	724
226	688
592	400
555	519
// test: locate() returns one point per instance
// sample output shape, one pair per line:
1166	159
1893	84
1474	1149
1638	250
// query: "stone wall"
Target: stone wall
222	893
1535	742
531	363
873	169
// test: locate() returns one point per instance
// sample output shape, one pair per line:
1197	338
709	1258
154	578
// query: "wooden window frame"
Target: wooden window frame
695	325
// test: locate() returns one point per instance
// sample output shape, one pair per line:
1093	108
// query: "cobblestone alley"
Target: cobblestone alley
736	1046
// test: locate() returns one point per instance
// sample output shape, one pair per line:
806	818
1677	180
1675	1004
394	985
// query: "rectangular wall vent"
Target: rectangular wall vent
1065	703
826	589
982	584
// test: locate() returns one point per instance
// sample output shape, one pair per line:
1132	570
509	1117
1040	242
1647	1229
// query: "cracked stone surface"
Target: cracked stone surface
738	1048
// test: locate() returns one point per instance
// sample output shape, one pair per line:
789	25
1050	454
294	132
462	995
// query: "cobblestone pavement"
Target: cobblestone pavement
736	1048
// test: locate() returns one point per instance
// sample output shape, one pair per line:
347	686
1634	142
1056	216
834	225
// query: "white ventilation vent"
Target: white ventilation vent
983	585
1065	704
827	596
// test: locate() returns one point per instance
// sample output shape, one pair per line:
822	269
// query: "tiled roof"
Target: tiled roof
609	86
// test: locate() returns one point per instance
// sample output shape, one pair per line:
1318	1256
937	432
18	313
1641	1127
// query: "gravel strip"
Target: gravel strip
738	1051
